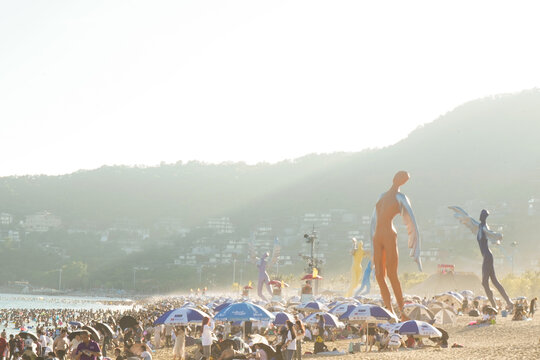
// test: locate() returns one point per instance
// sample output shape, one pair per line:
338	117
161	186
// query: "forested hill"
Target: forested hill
485	149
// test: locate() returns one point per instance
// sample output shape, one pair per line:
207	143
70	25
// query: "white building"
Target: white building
317	219
222	225
430	255
5	219
534	207
42	221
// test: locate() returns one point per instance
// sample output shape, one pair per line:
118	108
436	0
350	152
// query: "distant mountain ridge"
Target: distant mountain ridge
487	149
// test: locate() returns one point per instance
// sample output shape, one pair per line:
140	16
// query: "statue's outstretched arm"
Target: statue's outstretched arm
412	228
372	233
473	224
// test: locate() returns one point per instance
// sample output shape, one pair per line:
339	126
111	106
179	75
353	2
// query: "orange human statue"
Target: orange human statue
384	238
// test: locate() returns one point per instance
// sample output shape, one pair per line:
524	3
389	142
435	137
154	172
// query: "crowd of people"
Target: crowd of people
63	334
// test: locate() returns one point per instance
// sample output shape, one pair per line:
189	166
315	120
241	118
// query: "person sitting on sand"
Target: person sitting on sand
381	340
145	355
259	354
319	346
395	341
410	343
519	313
443	340
229	353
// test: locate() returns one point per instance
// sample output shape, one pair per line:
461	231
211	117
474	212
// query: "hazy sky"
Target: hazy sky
87	83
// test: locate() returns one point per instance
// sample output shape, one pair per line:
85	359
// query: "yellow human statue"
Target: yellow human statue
357	253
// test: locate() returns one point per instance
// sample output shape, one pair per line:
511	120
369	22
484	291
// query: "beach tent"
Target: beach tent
445	316
418	312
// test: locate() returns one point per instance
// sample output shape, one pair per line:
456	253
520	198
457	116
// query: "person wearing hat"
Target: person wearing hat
88	349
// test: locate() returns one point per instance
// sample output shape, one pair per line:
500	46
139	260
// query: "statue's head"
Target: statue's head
483	215
266	254
401	178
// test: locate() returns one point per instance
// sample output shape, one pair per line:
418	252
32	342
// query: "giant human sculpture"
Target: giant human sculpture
365	288
483	233
262	263
357	253
384	238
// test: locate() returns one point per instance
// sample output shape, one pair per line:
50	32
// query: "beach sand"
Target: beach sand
505	340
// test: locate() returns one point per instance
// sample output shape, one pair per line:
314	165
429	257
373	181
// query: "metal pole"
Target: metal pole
513	254
59	279
234	272
241	276
134	271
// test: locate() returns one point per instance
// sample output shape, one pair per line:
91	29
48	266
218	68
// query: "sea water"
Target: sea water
23	301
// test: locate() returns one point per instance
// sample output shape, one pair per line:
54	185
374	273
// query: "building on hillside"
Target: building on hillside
430	255
172	226
42	221
13	235
533	207
6	219
188	259
311	219
221	225
10	235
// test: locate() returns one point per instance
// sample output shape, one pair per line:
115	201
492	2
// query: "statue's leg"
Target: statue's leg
259	289
368	286
351	284
268	287
358	276
499	287
379	258
359	290
392	267
487	267
354	279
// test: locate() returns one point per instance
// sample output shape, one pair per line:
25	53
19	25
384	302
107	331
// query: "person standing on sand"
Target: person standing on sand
179	350
4	346
290	343
532	307
157	336
320	325
206	337
300	332
61	344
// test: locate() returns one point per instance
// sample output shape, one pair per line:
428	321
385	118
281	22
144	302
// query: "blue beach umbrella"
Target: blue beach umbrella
282	317
341	309
222	306
329	320
183	315
418	328
244	311
371	314
312	306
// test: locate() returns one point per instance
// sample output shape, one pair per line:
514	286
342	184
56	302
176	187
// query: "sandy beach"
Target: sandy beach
506	339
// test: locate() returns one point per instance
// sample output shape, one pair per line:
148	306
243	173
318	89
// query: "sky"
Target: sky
91	83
